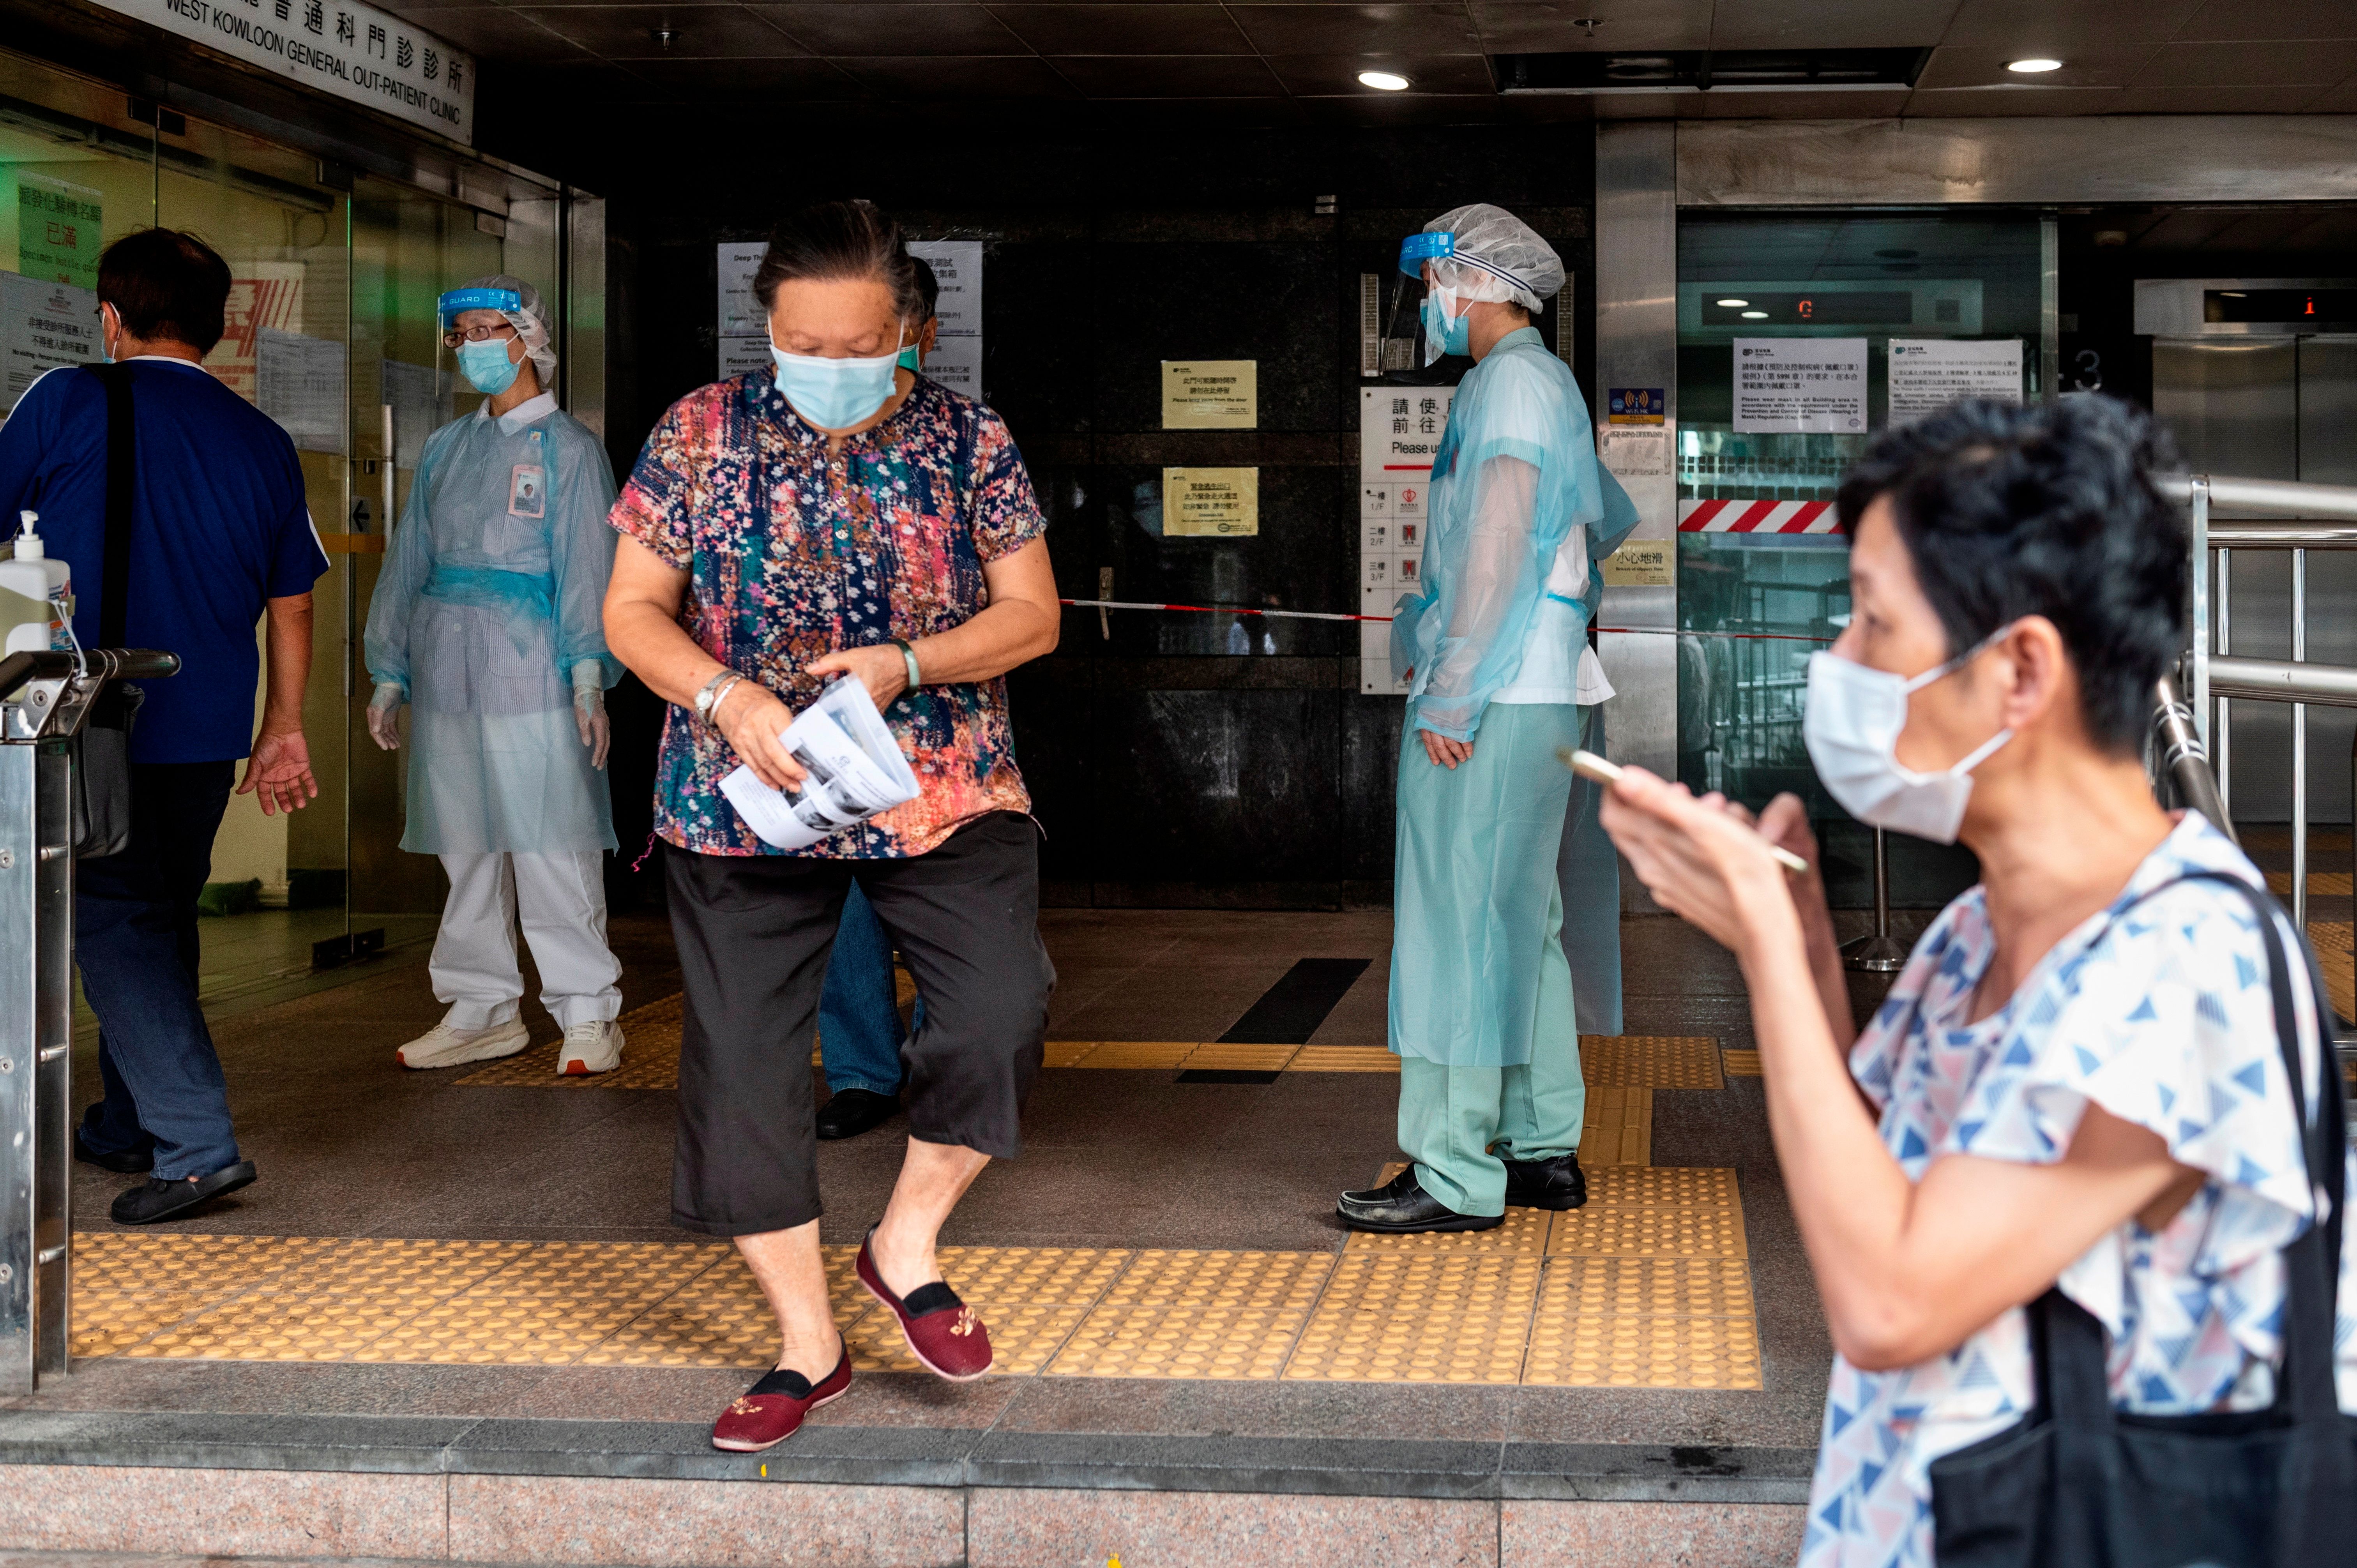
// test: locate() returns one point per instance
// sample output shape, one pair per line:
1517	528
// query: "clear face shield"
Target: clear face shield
455	340
1423	313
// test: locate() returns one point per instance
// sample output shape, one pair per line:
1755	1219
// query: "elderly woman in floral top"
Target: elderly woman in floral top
2075	1082
839	516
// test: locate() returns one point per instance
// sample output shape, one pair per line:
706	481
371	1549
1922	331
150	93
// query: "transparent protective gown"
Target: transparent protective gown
492	590
1516	472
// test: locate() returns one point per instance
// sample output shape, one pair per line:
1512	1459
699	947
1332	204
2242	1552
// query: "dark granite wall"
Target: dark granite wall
1167	769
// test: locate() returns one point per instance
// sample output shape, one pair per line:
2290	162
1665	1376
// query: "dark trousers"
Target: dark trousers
135	939
753	933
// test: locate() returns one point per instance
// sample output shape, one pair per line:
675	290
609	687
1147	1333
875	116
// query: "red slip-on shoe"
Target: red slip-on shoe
943	1331
772	1411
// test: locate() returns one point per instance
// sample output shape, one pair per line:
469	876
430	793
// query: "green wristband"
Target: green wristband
908	655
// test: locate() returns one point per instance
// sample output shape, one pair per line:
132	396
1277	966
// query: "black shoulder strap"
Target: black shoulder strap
122	490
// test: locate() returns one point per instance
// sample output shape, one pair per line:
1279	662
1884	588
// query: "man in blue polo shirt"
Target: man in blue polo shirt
219	535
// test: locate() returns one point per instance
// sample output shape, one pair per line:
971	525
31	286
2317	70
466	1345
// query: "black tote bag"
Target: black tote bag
2078	1485
101	753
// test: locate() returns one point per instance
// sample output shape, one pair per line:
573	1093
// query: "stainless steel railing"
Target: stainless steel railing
2298	517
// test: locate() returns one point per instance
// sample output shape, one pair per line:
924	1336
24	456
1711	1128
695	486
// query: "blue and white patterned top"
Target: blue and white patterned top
2163	1017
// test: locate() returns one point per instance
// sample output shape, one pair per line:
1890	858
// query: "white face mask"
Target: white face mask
1852	724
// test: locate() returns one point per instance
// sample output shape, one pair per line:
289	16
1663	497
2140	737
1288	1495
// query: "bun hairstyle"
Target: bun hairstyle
837	240
2010	512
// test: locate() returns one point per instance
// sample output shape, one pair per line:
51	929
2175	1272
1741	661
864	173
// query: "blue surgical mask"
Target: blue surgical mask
1444	333
834	395
487	366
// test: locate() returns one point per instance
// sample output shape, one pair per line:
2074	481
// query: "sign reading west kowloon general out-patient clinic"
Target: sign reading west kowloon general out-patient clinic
342	48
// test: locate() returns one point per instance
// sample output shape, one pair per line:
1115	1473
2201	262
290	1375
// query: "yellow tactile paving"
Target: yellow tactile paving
1643	1232
1229	1341
1067	1053
1139	1055
2331	940
649	1057
1216	1057
1645	1287
1618	1128
1741	1064
1343	1058
2321	884
1650	1061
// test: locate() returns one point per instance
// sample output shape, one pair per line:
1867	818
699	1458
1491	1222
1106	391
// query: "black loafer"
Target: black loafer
1558	1183
1405	1207
160	1199
856	1110
124	1162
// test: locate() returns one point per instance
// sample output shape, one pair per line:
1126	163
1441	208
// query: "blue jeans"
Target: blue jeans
135	939
859	1031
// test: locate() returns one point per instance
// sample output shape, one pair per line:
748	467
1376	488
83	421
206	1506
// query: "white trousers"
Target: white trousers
562	899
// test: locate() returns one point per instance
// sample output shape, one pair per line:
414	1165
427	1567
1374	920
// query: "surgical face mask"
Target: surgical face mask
487	366
909	359
1444	333
834	395
1851	725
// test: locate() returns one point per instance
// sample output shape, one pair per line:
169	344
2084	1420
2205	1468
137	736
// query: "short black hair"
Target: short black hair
166	284
841	240
2010	512
929	287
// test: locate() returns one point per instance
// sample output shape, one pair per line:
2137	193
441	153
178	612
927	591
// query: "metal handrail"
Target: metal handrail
2263	498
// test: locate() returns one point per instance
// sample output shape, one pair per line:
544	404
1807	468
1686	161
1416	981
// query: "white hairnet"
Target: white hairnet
531	322
1498	257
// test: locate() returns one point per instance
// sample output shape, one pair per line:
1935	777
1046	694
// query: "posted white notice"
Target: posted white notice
854	766
1927	374
1810	385
956	358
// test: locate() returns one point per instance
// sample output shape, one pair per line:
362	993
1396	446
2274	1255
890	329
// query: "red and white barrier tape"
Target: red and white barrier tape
1758	517
1323	615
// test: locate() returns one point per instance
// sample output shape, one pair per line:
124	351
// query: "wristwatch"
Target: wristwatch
707	701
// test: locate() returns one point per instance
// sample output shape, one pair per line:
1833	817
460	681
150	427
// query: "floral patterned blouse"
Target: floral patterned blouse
2164	1016
790	557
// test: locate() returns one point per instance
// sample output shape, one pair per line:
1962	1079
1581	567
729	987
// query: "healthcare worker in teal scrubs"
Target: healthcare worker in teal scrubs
488	623
1496	657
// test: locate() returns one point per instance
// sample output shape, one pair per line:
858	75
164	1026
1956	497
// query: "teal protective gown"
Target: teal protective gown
1476	878
493	589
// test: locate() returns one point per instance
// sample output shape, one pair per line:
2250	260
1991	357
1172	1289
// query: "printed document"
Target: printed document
854	766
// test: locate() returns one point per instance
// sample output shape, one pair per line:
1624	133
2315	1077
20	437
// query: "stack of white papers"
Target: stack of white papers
854	766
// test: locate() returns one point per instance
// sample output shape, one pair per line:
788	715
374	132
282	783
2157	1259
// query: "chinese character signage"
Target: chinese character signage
1801	384
1635	405
57	229
342	47
1927	374
43	324
1399	429
1210	502
1211	394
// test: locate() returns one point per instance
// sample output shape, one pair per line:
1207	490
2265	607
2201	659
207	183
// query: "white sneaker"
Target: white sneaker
443	1046
593	1047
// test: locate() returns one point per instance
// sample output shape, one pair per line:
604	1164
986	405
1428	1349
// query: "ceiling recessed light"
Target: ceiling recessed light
1755	316
2033	66
1383	81
1733	304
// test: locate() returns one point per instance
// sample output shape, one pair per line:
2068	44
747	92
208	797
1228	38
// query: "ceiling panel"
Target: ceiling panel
1172	114
1311	75
1980	66
701	80
1125	30
1519	27
1013	77
1358	30
1404	109
1828	24
493	34
699	32
2226	20
2248	64
1858	105
2214	99
2054	27
1973	102
2341	100
1170	76
894	30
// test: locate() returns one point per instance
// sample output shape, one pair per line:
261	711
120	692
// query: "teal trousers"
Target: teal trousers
1482	1004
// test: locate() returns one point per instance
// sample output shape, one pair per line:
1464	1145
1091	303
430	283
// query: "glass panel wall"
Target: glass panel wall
332	332
1786	327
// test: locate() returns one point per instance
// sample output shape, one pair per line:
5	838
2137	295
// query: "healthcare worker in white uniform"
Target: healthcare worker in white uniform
1499	674
488	622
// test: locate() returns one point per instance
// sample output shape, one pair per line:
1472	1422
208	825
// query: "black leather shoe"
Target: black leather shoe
160	1199
1558	1183
852	1111
1405	1206
125	1162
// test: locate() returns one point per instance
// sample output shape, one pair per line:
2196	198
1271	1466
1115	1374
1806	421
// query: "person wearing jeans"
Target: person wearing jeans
859	1031
219	537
